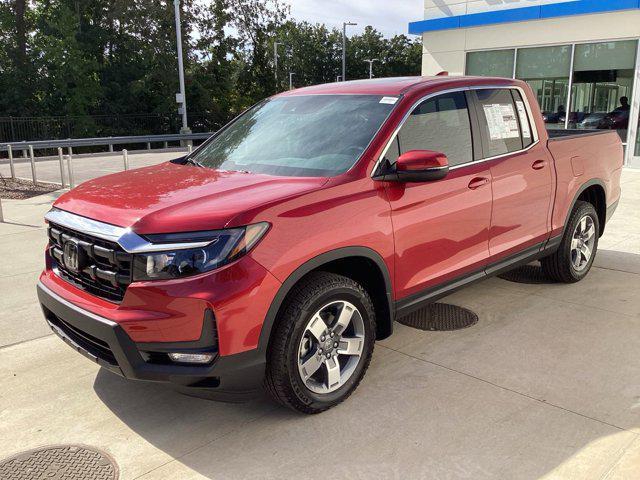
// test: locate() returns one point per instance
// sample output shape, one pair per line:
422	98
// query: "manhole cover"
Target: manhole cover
532	274
440	317
59	462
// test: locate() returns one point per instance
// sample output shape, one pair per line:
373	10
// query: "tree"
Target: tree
109	64
214	72
16	68
256	23
21	32
68	72
311	53
315	53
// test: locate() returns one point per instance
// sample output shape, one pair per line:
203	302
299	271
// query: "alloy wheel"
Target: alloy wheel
583	243
331	347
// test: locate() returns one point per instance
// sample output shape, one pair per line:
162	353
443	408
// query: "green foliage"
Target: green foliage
86	58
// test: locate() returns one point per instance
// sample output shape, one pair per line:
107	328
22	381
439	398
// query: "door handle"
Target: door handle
539	164
478	182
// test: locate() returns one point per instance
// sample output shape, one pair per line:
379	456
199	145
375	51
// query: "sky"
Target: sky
391	17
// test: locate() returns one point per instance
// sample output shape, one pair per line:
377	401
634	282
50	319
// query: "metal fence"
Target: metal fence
101	142
69	146
18	129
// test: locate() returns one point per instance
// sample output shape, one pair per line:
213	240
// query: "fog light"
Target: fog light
199	358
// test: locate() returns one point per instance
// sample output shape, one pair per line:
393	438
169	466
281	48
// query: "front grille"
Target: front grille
91	344
104	268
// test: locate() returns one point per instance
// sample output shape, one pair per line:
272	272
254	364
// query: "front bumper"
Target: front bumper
106	343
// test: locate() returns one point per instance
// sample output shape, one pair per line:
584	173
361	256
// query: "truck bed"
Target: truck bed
584	156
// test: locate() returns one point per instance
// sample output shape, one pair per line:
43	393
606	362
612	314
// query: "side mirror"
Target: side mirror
421	166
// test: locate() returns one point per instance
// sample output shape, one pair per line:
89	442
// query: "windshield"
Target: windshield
301	136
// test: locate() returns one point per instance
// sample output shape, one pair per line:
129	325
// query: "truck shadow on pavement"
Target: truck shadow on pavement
149	408
178	424
509	398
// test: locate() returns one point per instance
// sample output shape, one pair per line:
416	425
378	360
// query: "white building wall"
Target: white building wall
445	50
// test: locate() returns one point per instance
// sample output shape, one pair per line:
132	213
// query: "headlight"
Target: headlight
224	247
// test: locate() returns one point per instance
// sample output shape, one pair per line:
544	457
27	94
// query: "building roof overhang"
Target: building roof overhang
540	12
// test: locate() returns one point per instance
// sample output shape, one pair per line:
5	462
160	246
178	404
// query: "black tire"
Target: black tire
559	266
283	380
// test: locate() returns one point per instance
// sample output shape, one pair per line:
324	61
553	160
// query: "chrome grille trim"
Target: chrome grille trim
130	241
103	268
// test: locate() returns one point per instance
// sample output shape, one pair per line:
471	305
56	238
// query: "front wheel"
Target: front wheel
573	260
322	343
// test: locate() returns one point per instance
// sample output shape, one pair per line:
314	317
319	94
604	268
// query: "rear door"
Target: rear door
521	170
441	228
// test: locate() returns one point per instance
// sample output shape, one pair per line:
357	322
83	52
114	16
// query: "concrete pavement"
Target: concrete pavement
546	385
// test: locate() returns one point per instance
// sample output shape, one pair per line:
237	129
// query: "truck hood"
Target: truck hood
178	198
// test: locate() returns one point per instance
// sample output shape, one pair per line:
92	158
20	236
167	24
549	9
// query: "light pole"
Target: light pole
370	62
291	74
181	97
344	48
275	60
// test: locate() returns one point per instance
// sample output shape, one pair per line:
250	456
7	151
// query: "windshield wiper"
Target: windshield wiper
195	162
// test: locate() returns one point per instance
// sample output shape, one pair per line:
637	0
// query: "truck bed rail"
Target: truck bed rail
570	133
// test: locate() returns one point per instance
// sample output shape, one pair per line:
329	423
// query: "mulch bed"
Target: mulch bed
11	189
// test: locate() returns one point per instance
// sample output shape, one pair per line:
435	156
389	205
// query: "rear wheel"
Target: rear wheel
577	252
322	343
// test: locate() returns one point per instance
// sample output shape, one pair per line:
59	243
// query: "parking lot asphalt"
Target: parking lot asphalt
545	385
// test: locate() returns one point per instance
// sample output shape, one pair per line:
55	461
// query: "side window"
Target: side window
393	152
525	122
440	124
499	121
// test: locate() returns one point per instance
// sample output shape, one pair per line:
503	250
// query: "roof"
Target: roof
376	86
389	86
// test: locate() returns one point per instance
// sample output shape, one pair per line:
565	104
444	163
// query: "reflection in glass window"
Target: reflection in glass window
500	122
602	86
494	63
546	70
525	125
298	136
440	124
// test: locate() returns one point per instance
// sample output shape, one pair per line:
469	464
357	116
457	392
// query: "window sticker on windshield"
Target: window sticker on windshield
389	100
524	120
501	120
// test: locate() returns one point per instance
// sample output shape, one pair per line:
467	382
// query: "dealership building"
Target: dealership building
581	57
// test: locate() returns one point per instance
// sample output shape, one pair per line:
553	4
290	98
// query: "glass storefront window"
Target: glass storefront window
547	70
494	63
601	78
602	86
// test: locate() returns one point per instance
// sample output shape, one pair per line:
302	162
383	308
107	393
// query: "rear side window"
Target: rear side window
440	124
526	130
499	121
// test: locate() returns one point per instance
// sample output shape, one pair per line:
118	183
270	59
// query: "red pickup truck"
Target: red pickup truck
279	250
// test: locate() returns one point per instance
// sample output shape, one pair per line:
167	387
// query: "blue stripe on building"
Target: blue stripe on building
565	9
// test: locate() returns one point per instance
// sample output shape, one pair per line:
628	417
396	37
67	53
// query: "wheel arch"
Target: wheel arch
593	192
342	261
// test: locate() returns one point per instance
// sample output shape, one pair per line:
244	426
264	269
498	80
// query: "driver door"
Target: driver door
441	228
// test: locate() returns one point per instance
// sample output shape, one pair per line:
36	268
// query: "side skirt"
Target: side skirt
416	301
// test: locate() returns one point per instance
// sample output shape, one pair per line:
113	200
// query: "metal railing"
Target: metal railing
186	140
103	141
